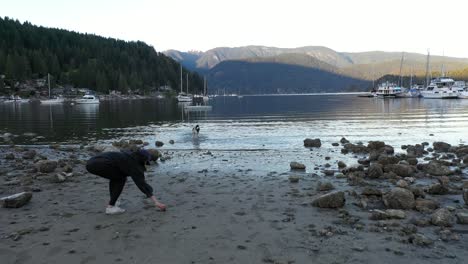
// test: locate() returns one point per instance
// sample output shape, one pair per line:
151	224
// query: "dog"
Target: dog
195	131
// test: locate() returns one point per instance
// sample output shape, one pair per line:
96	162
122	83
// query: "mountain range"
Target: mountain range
251	69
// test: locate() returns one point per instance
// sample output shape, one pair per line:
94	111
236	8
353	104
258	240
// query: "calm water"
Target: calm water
251	122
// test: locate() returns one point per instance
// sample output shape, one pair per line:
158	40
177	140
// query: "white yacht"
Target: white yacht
462	89
389	90
88	99
441	88
183	97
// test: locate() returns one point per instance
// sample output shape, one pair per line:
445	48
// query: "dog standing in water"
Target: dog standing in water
195	131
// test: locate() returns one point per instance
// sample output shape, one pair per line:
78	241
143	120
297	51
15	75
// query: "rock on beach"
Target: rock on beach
312	143
330	200
297	166
399	198
17	200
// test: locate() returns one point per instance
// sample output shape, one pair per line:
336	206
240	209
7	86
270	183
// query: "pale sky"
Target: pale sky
343	25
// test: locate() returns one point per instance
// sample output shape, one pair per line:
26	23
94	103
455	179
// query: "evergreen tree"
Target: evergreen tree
83	60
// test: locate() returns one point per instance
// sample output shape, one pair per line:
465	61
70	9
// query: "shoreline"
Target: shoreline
232	207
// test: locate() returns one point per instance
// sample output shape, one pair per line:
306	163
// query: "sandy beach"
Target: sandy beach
226	207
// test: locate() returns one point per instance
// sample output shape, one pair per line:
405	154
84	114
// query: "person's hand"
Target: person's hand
159	205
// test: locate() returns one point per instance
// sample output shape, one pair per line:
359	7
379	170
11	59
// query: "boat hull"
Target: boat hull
440	95
85	101
53	101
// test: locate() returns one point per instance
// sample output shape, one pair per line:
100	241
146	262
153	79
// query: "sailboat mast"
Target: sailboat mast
427	68
186	75
181	78
204	85
411	78
401	66
48	82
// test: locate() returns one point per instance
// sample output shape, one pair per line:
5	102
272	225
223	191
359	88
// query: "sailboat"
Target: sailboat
204	96
439	88
183	97
57	100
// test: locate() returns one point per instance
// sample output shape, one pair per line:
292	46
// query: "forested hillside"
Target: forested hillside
83	60
270	78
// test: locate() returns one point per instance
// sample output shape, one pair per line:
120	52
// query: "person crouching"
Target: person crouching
116	167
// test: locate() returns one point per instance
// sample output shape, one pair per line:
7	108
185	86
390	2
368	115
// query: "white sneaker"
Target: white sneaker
117	203
114	210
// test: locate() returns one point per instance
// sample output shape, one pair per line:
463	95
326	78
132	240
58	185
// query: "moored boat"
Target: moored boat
441	88
389	90
88	99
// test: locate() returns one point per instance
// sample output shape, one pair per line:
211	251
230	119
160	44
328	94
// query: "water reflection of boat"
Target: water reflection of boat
88	99
87	109
197	108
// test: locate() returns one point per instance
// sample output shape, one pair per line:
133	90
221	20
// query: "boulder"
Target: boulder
171	141
399	198
335	144
344	140
437	189
325	186
10	156
415	151
135	142
462	218
59	178
435	168
385	160
312	143
297	166
412	161
375	171
375	145
417	191
330	200
421	240
389	150
395	214
441	146
329	172
442	217
387	214
46	166
159	144
30	154
354	148
17	200
293	179
371	191
341	164
402	184
426	205
399	169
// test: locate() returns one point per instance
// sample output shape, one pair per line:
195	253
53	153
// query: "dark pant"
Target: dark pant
105	169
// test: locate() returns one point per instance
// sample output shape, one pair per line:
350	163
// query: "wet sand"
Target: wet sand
223	207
